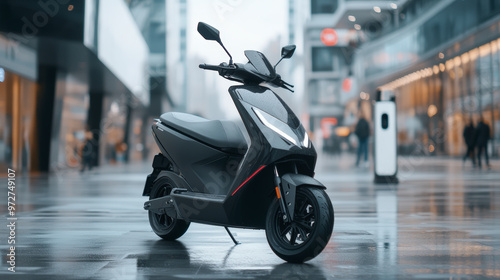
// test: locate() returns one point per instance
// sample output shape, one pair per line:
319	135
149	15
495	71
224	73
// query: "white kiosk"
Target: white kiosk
385	143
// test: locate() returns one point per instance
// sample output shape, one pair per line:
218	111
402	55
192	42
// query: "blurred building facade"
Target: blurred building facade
330	43
68	66
293	70
177	81
151	18
440	58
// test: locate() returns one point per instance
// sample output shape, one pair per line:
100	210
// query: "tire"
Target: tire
313	218
164	226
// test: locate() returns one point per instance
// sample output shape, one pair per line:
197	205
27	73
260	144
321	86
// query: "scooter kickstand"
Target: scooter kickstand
232	237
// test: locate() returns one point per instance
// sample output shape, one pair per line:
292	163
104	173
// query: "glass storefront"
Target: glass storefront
18	147
435	103
113	129
18	133
140	136
324	91
324	6
325	59
408	48
75	104
453	58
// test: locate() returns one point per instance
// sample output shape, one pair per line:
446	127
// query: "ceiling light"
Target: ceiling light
377	9
351	18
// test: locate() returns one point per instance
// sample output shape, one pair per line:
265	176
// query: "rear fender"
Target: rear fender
161	167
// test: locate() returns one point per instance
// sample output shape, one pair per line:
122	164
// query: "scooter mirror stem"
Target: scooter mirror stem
277	63
230	57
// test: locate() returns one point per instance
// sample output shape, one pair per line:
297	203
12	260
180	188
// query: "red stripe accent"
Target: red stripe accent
249	179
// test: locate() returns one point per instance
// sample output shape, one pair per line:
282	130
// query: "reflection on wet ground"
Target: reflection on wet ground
440	222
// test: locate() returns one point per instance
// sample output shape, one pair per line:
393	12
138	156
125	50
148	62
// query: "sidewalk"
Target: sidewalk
440	222
341	168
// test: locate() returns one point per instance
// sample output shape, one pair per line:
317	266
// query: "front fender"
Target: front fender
289	184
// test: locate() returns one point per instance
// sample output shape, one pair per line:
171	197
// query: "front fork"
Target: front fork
283	200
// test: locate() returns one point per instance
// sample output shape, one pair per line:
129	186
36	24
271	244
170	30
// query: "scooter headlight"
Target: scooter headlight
306	141
275	125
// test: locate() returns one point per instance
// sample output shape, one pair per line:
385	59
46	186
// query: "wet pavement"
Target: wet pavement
441	222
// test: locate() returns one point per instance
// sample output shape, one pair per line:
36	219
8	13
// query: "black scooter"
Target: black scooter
207	174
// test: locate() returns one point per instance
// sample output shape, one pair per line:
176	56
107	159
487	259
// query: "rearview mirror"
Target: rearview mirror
211	33
287	51
208	32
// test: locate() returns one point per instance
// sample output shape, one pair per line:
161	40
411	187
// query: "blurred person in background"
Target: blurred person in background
362	131
482	135
87	151
469	138
120	150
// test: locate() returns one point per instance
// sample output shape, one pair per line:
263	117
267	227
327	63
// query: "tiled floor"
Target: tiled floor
441	222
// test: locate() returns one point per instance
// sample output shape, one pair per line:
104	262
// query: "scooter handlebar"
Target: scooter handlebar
210	67
222	68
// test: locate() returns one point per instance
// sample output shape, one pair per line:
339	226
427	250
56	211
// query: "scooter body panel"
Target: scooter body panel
244	185
249	199
205	169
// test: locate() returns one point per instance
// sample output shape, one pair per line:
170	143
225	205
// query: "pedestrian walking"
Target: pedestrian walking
362	131
482	135
87	152
469	134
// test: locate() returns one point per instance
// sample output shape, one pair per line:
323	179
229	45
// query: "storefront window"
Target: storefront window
434	110
6	121
323	59
73	121
325	92
456	19
136	143
323	6
17	122
113	131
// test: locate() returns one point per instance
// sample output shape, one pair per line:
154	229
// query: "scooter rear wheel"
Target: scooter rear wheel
164	226
309	232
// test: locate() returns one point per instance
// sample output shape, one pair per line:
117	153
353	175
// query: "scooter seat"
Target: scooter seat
224	135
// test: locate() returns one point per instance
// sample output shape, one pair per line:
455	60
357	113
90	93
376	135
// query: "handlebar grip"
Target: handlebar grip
287	84
210	67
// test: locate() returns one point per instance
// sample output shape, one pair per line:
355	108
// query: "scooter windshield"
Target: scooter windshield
261	64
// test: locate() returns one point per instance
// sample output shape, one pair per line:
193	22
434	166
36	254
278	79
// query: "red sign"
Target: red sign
329	37
347	85
326	124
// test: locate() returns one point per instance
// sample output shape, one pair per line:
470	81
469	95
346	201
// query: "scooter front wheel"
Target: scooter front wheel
309	232
163	225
